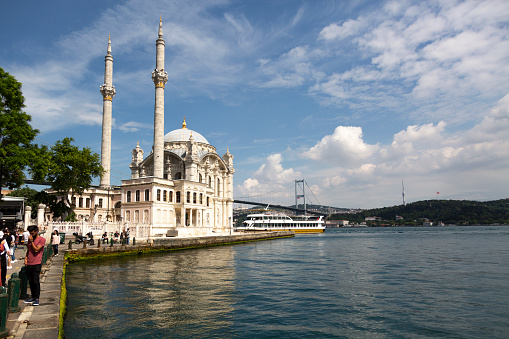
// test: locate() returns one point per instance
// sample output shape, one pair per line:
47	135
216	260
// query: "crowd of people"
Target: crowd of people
9	241
32	245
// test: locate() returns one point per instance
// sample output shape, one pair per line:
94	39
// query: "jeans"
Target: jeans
33	272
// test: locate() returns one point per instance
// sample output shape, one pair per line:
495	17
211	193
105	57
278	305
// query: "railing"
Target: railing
97	229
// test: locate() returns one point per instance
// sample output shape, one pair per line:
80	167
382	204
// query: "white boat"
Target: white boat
272	221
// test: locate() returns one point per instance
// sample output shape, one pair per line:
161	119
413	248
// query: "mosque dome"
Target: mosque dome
184	134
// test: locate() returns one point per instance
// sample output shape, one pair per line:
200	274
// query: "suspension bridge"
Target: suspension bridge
290	197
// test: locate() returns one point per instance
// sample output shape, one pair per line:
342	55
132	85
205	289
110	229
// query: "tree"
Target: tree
71	170
17	152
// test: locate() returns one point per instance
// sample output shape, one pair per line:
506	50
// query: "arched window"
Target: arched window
178	176
128	199
87	203
201	198
164	195
194	198
137	195
177	197
80	202
127	215
147	194
101	202
208	203
171	196
188	197
158	195
145	216
200	178
137	216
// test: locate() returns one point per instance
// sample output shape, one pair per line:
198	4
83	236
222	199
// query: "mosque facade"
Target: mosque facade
182	187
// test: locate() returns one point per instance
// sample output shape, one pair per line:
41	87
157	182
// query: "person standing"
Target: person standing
4	246
14	245
26	234
127	235
8	239
55	240
33	263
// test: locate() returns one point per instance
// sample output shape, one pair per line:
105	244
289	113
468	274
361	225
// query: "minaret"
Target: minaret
403	192
108	92
160	78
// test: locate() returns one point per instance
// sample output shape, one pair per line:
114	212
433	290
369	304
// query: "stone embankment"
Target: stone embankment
169	244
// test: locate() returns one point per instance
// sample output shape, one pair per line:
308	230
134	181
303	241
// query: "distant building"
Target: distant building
372	218
336	223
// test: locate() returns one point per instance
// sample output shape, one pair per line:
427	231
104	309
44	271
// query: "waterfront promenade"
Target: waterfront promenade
43	321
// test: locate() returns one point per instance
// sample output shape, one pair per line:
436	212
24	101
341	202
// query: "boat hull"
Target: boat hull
296	230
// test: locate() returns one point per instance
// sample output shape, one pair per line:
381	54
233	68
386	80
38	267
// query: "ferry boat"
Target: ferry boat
281	222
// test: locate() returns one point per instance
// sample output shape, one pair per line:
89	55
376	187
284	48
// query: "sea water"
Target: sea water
449	282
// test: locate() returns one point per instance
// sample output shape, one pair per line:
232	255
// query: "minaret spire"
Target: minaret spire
108	92
108	51
160	78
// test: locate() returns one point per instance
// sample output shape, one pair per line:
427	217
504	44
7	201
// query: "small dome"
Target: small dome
184	134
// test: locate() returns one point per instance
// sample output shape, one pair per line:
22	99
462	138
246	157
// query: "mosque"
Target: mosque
181	187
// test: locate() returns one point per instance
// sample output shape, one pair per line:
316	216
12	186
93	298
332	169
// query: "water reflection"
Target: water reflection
157	294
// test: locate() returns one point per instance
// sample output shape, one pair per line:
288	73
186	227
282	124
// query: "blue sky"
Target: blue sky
353	96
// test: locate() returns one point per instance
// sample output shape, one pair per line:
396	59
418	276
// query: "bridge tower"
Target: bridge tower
297	195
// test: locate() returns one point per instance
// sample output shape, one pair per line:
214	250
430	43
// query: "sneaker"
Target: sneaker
9	267
56	255
29	300
14	261
36	302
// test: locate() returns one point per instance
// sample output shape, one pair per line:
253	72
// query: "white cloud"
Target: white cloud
338	32
345	146
133	126
271	176
443	57
273	172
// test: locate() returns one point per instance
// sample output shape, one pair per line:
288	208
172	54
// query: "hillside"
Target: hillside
459	212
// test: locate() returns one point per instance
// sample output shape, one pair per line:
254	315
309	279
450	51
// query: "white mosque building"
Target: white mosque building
182	187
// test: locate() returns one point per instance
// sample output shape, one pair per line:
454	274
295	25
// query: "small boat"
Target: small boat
273	221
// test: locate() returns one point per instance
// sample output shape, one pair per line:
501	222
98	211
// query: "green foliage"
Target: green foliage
458	212
17	153
71	169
